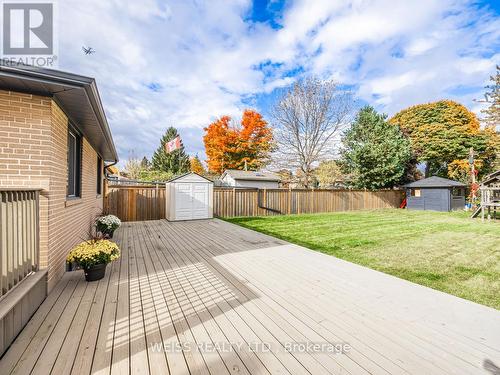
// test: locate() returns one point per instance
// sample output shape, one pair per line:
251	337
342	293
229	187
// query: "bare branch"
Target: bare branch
308	119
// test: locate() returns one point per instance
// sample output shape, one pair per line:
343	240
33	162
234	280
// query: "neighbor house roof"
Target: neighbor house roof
435	181
251	175
76	95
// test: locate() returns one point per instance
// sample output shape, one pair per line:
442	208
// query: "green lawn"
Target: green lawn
444	251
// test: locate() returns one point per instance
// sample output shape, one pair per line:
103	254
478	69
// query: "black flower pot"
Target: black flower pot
95	273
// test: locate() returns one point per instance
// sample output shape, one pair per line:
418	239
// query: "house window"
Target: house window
74	163
415	193
99	175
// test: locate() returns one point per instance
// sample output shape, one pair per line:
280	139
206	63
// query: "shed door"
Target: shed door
436	199
191	201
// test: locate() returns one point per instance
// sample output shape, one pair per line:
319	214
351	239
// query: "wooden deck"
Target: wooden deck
223	299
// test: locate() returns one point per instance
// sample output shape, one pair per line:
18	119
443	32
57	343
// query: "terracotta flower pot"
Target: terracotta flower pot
95	273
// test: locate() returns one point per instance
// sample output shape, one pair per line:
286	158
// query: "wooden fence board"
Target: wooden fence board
138	203
135	203
268	202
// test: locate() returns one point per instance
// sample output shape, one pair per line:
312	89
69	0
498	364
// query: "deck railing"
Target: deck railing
19	236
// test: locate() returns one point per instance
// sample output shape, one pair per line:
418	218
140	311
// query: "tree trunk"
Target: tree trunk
306	178
427	169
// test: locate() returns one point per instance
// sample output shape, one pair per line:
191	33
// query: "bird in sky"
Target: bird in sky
88	51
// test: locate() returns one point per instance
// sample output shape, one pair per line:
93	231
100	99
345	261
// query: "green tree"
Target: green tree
154	176
175	162
145	164
328	173
376	153
443	132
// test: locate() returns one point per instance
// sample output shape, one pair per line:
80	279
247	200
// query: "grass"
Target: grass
445	251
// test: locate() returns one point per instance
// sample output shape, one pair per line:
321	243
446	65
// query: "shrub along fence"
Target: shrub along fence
135	203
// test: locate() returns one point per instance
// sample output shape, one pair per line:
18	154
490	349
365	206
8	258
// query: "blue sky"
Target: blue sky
185	63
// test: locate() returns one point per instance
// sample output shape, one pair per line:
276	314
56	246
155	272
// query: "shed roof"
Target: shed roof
251	175
435	181
76	95
180	177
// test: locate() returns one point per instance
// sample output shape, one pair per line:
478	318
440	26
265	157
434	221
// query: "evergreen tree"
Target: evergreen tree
175	162
145	164
376	153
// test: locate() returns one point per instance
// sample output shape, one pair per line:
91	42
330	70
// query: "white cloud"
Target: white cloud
420	46
202	57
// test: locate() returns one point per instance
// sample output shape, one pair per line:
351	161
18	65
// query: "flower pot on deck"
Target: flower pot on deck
95	273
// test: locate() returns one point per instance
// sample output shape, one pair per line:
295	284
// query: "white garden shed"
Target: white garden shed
189	197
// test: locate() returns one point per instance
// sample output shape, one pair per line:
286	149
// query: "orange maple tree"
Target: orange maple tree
230	146
196	166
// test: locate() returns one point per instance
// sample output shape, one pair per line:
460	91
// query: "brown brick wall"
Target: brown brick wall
33	152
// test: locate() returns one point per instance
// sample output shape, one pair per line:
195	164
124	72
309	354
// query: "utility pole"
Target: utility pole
471	162
473	177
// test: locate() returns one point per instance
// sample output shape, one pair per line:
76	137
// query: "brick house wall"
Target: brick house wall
33	153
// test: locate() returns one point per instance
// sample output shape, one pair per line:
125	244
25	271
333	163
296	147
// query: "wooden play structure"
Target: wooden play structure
490	197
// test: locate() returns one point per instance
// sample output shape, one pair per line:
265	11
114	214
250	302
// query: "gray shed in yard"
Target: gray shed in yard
435	193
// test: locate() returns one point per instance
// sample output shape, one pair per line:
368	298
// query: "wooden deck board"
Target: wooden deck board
277	330
300	331
275	282
15	352
82	362
195	306
267	274
402	339
121	334
235	299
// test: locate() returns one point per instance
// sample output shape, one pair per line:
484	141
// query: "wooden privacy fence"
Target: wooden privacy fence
135	203
19	237
265	202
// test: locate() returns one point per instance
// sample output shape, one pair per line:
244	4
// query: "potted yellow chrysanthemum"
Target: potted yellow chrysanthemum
93	256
